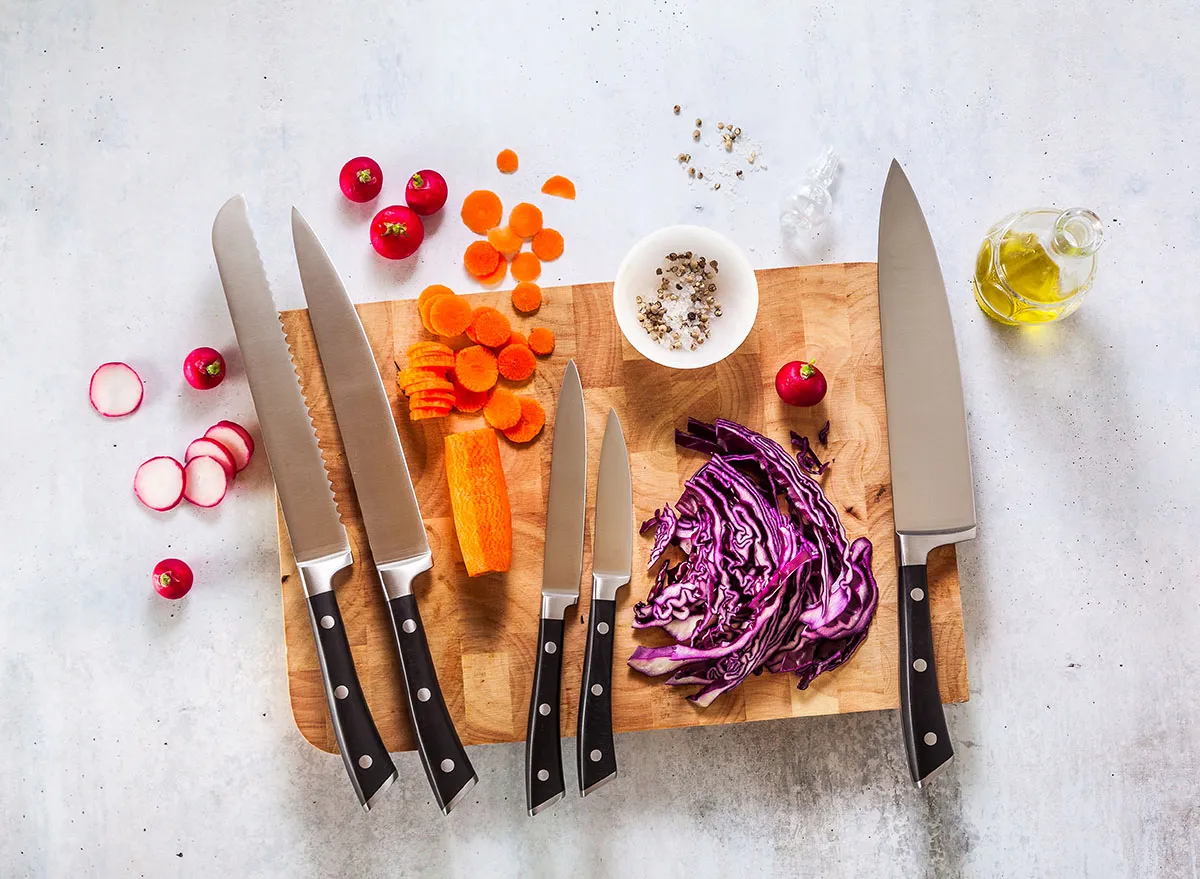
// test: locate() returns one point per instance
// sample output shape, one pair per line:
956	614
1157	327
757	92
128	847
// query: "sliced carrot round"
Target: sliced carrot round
423	308
516	362
541	341
418	348
505	239
481	210
481	258
433	396
503	409
527	297
526	267
506	162
497	276
492	328
548	244
475	368
467	400
559	186
426	414
471	326
533	418
449	315
431	291
517	339
525	220
431	361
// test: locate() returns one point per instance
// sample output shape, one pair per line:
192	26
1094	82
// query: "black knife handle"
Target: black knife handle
595	753
367	760
449	771
926	738
543	754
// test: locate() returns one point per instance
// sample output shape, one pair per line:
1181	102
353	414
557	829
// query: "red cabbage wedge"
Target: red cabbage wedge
768	579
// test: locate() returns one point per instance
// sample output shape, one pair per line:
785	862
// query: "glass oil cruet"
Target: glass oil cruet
1036	266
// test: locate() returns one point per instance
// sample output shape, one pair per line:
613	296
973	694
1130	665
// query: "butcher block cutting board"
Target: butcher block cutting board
483	631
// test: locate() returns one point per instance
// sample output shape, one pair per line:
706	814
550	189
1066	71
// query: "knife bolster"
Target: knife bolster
914	546
317	575
397	577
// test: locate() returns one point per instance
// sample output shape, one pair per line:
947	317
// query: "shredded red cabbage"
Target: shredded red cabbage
806	457
768	581
823	435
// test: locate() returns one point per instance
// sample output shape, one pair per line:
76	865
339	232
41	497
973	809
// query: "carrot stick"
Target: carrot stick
479	500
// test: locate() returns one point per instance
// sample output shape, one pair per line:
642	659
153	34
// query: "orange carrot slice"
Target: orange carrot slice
482	210
432	361
525	220
503	409
449	315
471	326
467	400
527	297
481	258
492	328
516	363
418	348
518	339
526	267
541	340
559	186
475	368
425	414
548	244
533	418
506	162
479	500
505	239
431	291
497	276
423	308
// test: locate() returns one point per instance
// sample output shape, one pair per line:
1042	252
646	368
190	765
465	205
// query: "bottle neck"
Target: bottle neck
1077	233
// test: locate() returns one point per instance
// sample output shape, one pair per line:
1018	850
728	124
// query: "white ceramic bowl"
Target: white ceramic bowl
737	293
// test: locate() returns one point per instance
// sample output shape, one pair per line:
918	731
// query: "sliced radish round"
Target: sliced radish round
205	481
207	447
115	390
236	439
159	483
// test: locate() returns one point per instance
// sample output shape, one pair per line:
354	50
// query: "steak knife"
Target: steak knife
388	504
612	563
562	570
932	492
318	538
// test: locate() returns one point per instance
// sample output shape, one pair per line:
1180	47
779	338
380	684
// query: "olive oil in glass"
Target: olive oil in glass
1036	266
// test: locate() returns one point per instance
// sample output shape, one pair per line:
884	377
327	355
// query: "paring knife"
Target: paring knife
931	464
388	503
562	570
612	562
318	539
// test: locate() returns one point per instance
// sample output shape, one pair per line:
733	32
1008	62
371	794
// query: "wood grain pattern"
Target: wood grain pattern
482	631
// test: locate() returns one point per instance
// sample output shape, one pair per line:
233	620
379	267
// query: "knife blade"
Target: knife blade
388	503
612	565
562	570
318	538
932	487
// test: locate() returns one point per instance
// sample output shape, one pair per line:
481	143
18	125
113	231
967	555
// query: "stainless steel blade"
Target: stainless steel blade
927	427
364	413
612	541
305	494
562	567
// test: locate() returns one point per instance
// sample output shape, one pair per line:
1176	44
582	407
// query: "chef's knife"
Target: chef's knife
318	538
388	504
931	464
562	570
612	561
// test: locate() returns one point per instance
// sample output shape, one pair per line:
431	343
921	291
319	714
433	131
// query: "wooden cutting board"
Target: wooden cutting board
482	631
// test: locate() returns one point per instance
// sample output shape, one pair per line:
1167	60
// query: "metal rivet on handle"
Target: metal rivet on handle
327	622
602	628
543	775
920	665
595	755
447	765
340	692
917	594
423	695
930	738
551	647
409	626
365	761
544	709
597	689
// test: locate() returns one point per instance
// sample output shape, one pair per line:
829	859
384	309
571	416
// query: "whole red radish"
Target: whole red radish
204	368
361	179
800	384
397	232
172	578
426	192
